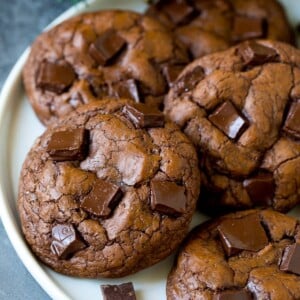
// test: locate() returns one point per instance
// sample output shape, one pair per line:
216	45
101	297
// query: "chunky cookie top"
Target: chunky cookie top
103	192
247	255
95	55
241	108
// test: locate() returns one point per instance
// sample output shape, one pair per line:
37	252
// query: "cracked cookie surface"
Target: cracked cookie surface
203	269
214	25
118	54
241	109
102	208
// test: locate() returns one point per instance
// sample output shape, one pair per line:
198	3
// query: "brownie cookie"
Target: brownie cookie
207	26
108	191
94	55
241	108
247	255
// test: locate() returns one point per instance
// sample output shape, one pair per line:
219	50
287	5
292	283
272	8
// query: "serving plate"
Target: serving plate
19	127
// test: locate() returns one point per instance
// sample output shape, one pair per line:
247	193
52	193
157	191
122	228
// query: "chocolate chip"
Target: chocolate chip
255	54
292	123
124	291
290	261
125	89
171	72
168	198
143	115
245	28
227	118
102	199
233	295
66	241
260	189
55	77
68	144
245	233
189	80
106	47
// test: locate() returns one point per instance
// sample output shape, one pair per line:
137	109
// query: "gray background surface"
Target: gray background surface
20	22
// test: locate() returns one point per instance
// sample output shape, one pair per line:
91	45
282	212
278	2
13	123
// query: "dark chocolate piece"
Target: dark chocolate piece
124	291
66	241
68	144
255	54
227	118
245	28
189	80
102	199
233	295
290	261
168	198
292	123
106	47
55	77
260	189
143	115
126	89
171	72
245	233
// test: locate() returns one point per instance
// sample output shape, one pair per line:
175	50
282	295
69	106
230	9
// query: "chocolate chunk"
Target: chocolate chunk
292	123
245	28
102	199
68	145
229	120
106	47
290	261
126	89
66	241
189	80
255	54
124	291
171	72
260	189
168	198
245	233
233	295
55	77
143	115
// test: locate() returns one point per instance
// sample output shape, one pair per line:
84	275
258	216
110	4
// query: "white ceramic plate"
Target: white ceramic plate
19	127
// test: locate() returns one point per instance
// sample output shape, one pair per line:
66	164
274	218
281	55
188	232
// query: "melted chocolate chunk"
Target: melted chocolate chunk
102	199
189	80
168	198
106	47
126	89
68	145
143	115
260	189
290	261
292	123
171	72
124	291
55	77
245	28
233	295
229	120
255	54
245	233
66	241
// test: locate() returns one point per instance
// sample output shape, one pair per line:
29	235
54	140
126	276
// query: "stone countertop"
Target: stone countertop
20	22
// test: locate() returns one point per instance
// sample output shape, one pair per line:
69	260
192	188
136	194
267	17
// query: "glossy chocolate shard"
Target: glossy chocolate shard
124	291
245	233
126	89
168	198
255	54
189	80
290	261
261	189
55	77
102	199
292	123
106	47
233	295
171	72
68	145
66	241
144	116
229	120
